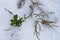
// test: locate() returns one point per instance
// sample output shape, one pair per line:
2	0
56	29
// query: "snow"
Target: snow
26	31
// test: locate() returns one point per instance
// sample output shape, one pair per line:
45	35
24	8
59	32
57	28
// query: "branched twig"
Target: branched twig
41	16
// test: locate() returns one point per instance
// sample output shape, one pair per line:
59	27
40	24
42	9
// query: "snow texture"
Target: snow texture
26	31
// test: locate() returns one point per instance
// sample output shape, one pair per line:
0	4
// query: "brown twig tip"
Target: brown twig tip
20	3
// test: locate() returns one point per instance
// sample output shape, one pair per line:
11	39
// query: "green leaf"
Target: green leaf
15	17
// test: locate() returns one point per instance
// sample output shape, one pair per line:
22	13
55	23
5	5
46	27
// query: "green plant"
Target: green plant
15	21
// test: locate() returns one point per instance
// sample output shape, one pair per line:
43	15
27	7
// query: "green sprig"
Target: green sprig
15	21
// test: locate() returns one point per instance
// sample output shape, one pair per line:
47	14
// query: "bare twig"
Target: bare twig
36	30
8	11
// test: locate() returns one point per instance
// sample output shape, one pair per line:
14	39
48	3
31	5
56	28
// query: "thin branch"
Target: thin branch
36	30
8	11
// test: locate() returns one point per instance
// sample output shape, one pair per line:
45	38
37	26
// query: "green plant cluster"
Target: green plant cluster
16	22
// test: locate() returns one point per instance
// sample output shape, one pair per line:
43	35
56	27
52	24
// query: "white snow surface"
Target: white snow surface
26	30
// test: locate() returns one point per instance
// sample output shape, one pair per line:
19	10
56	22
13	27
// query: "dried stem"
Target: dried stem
36	30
